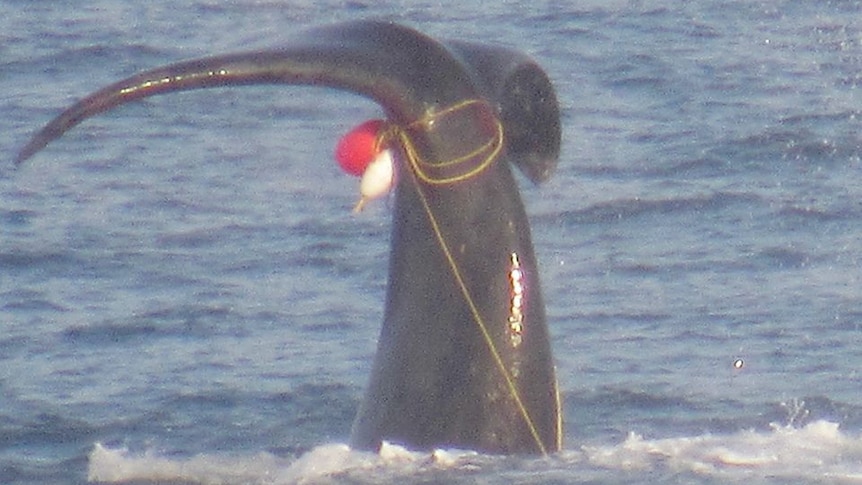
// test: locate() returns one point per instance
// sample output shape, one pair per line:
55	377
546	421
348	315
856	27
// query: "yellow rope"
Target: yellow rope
493	146
477	317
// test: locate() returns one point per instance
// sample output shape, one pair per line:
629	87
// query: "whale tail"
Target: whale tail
464	357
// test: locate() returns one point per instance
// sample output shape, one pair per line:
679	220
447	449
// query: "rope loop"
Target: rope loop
422	167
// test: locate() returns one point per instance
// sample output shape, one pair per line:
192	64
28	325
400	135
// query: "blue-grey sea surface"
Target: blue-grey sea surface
185	295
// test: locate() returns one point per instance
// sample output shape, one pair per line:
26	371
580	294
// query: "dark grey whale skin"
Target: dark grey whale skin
451	368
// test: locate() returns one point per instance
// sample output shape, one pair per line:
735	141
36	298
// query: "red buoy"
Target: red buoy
359	147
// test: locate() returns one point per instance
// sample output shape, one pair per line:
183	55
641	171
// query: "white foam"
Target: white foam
117	465
113	466
814	451
817	451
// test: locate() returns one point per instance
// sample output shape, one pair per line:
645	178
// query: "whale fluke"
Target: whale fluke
464	358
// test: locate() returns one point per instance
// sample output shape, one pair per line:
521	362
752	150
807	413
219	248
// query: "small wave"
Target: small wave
812	453
813	215
625	209
188	321
782	258
808	148
101	54
21	259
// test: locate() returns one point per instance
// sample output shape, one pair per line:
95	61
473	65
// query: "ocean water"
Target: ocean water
185	296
